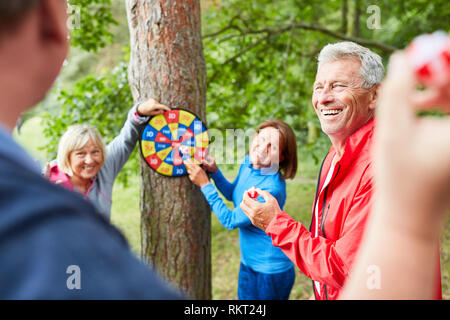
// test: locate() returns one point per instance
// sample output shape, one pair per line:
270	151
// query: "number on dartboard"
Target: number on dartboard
197	127
170	138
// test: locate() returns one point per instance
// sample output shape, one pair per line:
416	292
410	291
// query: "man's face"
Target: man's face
338	99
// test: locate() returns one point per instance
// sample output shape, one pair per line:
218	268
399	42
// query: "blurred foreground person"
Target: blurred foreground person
53	244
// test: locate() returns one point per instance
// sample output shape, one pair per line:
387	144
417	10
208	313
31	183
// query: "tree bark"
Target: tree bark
356	18
344	21
167	63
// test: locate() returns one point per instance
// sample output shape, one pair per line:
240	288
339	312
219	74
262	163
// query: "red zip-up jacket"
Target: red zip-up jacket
325	253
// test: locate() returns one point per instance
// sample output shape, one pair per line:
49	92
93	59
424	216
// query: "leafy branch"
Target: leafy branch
269	32
296	25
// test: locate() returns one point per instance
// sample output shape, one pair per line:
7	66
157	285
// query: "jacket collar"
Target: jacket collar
59	177
355	143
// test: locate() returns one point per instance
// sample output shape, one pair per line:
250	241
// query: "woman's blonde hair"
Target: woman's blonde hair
73	139
288	167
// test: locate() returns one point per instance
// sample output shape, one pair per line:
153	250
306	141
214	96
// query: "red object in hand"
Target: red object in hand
252	193
429	55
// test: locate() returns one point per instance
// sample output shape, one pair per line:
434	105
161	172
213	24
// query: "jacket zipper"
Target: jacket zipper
323	221
317	190
89	189
324	216
312	219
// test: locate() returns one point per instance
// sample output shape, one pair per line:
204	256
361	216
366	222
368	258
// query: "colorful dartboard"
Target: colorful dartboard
172	137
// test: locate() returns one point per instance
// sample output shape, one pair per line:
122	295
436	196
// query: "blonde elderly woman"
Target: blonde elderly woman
86	166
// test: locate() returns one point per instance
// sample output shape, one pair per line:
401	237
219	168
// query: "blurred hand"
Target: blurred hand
196	174
260	214
151	107
412	154
209	164
432	96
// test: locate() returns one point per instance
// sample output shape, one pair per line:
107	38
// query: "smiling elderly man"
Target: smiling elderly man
344	98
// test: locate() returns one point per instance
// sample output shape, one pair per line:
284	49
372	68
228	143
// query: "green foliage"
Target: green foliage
261	54
260	57
100	101
258	68
404	20
91	22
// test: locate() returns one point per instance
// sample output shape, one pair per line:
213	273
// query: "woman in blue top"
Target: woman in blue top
265	272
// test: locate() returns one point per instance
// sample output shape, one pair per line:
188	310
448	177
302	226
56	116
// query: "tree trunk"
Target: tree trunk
344	21
356	18
167	63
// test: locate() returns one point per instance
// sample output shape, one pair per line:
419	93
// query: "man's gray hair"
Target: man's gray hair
372	70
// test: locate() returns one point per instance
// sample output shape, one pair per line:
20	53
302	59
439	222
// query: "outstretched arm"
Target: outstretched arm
119	150
225	187
320	259
230	219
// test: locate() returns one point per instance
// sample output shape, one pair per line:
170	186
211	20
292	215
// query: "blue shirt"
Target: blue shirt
257	251
11	150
